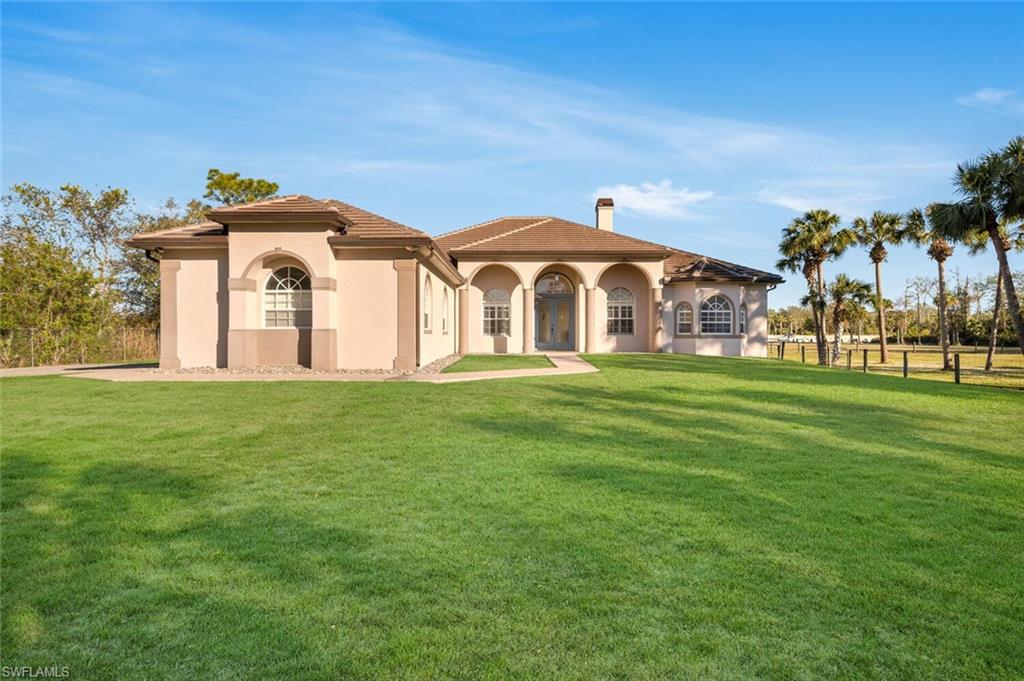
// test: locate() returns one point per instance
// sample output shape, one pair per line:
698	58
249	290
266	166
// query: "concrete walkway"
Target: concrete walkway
565	363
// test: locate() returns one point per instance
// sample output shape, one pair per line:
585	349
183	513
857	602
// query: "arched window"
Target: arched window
553	283
444	311
620	312
428	304
684	319
288	300
716	316
496	312
743	318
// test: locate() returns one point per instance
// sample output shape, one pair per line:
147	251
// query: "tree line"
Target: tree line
988	212
66	272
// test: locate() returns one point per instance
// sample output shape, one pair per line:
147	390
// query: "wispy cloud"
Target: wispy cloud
846	204
1006	102
659	200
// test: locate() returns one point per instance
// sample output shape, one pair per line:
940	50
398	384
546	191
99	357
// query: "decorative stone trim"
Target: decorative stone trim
323	284
241	284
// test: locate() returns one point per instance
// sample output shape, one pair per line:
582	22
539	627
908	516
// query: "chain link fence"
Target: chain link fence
38	347
967	362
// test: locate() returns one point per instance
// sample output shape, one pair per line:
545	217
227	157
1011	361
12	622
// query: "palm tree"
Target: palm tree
939	250
807	243
978	242
846	295
876	233
993	191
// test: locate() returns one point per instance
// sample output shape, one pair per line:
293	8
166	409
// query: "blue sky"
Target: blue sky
712	126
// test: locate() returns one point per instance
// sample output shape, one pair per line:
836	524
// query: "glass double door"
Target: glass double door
555	322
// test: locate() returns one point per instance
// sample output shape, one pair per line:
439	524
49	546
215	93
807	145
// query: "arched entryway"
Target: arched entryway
554	305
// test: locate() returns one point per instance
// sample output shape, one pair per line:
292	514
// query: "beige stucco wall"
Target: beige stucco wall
200	330
495	276
751	344
631	278
367	308
441	339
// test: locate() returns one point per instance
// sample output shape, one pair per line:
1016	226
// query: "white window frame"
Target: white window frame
496	312
718	309
288	299
621	312
444	312
428	304
743	319
680	308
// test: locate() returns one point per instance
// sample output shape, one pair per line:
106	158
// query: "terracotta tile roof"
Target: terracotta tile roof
354	223
367	225
295	204
684	266
518	235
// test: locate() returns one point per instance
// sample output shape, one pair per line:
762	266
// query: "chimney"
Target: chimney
604	210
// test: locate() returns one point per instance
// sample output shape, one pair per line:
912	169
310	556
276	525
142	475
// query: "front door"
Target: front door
555	322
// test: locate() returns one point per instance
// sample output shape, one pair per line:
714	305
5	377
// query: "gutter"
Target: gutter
430	253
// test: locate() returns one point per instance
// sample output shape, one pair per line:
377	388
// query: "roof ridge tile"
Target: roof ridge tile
507	233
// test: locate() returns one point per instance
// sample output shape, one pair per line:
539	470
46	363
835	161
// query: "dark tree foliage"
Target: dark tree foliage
231	189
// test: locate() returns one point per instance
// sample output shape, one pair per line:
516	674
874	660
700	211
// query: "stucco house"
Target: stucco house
321	283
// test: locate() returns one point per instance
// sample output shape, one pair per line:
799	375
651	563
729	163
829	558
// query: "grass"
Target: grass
925	362
668	517
498	363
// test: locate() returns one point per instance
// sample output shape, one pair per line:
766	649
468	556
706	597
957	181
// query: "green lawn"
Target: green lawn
498	363
669	517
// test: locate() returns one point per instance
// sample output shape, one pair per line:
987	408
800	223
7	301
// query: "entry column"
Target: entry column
657	315
591	331
528	313
464	320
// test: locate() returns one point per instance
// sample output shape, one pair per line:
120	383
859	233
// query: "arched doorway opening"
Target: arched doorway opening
554	306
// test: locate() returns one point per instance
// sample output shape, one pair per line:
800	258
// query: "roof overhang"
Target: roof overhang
239	215
349	241
726	280
646	256
156	241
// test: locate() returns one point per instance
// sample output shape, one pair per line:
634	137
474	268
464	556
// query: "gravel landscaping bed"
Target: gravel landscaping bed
434	367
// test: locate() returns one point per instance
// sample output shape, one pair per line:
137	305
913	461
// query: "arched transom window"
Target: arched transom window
428	304
496	312
620	312
288	300
553	284
743	318
684	319
716	316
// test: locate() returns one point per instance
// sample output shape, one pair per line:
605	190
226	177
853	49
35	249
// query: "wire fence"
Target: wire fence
39	347
967	363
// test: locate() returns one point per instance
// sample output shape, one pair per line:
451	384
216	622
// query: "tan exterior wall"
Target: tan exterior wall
441	339
253	253
367	308
628	277
496	276
751	344
196	321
